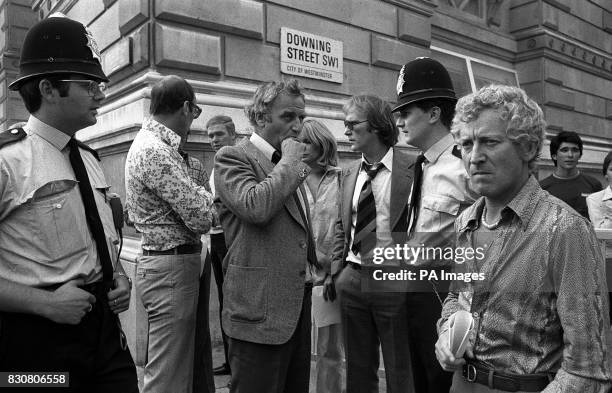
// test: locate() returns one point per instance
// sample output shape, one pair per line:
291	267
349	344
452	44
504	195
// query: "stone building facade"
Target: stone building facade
560	51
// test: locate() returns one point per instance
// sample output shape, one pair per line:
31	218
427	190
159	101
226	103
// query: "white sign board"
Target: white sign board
311	56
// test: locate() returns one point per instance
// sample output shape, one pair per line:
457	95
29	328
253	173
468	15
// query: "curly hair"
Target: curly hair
525	119
266	94
319	135
379	115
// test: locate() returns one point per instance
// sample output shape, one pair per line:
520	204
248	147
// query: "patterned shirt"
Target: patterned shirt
162	200
543	306
196	171
44	235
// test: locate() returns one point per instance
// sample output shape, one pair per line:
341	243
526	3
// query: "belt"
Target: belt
479	373
182	249
356	266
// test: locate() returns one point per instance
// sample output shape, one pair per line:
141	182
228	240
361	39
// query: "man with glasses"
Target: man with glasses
373	214
61	285
171	211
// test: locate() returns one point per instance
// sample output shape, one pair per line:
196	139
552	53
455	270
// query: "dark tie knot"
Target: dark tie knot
372	169
276	156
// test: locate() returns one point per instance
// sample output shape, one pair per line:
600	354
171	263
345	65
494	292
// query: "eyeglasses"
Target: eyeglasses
93	87
351	124
195	110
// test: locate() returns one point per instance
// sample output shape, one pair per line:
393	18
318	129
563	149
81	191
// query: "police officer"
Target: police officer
440	191
61	286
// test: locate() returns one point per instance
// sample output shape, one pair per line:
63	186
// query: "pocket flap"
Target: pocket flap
441	203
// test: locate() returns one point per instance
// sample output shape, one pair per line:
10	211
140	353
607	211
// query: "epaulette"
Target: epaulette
11	136
457	152
89	149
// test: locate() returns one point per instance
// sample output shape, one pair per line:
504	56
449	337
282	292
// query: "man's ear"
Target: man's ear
528	149
261	120
186	108
434	114
47	91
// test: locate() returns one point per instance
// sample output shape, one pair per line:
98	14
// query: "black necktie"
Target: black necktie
91	211
364	239
416	192
312	254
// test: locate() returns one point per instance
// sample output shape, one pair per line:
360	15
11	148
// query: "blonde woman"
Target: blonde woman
323	190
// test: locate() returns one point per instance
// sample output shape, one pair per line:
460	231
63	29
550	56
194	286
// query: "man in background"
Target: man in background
567	182
221	132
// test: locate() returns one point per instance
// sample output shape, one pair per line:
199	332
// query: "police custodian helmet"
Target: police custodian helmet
421	79
58	45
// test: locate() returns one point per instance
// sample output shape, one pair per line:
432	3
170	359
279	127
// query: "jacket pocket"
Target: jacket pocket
246	293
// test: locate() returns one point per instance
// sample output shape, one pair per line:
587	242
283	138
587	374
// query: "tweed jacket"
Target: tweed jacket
266	238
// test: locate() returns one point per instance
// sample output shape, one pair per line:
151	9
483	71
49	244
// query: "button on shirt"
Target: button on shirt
165	204
543	306
445	192
381	189
44	236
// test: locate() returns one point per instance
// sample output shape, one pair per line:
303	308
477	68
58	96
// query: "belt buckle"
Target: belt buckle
471	373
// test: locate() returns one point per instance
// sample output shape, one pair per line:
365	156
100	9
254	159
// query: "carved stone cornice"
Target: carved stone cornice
423	7
544	43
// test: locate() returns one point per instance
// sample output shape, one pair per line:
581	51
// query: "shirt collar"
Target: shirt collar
522	205
51	134
607	194
387	160
435	151
262	145
165	134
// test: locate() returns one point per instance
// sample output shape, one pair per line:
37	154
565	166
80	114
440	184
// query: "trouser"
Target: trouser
371	320
91	351
168	286
217	253
330	375
264	368
203	380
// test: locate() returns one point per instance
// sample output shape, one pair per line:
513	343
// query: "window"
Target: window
470	74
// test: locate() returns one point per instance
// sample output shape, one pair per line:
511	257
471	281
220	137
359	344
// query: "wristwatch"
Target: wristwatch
120	274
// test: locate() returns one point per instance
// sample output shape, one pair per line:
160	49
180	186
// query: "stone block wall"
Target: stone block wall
564	59
562	53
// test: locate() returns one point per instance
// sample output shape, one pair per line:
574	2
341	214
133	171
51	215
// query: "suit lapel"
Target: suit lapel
266	165
401	180
350	178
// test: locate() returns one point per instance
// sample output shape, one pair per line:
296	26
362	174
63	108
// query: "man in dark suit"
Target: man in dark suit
373	214
263	210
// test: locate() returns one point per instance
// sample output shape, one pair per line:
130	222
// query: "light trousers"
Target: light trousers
168	286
